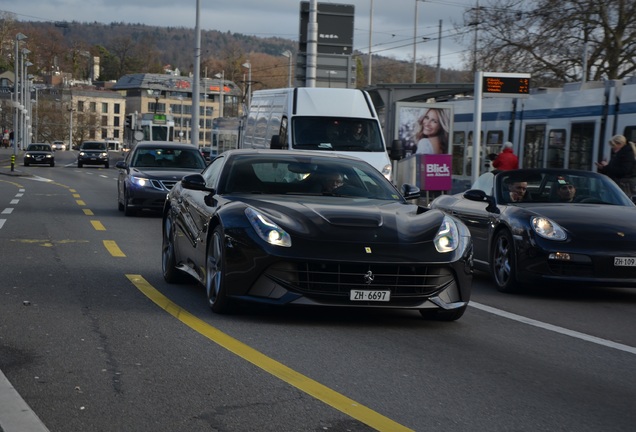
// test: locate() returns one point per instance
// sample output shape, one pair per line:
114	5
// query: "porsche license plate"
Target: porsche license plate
624	261
370	295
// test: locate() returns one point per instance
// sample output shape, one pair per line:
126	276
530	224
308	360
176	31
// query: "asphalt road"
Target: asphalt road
93	339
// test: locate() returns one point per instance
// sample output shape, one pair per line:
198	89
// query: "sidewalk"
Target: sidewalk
5	165
15	414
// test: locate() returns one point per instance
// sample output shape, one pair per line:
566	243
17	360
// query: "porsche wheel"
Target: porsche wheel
503	262
168	259
214	273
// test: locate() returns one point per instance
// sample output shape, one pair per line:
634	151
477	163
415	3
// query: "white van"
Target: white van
336	120
113	145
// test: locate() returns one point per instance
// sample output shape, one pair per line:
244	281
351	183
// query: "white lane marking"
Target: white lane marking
2	221
14	201
553	328
8	210
19	195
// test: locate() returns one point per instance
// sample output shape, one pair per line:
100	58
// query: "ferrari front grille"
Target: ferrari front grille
403	280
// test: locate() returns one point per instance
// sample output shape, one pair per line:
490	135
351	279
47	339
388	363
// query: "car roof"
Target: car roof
292	153
164	144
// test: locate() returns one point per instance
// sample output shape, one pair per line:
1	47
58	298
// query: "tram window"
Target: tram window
581	146
556	148
459	146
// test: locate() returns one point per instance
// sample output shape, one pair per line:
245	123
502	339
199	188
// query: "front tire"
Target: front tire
503	263
215	288
128	210
168	258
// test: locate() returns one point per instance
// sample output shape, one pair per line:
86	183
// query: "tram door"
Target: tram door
533	144
581	146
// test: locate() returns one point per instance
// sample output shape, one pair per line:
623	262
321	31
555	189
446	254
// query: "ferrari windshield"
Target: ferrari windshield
306	175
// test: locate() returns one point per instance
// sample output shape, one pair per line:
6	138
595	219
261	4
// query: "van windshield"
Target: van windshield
336	134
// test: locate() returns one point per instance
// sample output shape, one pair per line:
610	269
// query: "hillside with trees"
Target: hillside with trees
68	47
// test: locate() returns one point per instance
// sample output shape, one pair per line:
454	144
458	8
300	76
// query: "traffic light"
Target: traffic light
130	121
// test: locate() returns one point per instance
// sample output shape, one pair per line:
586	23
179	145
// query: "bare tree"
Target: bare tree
556	42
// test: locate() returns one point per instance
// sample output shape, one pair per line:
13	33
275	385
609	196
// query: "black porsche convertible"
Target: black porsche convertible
536	226
302	228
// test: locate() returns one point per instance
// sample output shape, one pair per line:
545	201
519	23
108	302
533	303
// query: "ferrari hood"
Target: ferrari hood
348	219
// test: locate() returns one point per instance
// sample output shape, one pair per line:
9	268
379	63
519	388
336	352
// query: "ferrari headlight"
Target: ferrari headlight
447	237
547	229
140	181
266	229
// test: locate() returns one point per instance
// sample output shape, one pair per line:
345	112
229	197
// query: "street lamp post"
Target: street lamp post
70	128
181	121
221	92
288	54
248	96
16	116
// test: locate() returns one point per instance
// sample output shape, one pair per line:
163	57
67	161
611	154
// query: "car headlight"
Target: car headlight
140	181
447	237
104	154
547	229
82	153
266	229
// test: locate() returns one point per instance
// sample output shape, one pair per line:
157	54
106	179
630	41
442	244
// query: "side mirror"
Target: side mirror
397	150
481	196
410	192
195	182
121	165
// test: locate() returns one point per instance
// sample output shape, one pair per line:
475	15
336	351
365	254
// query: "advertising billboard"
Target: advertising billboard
424	128
335	28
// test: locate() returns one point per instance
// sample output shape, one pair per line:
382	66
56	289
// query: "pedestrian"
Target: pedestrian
506	159
622	164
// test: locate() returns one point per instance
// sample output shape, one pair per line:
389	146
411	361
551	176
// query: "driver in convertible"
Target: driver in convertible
566	191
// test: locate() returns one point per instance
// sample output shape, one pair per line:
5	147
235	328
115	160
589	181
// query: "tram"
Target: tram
567	127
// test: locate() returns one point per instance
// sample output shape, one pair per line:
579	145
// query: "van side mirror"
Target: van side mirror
397	150
275	143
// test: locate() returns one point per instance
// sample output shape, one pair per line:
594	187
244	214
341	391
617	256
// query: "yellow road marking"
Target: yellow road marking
76	195
98	225
80	202
279	370
88	212
112	247
12	183
47	243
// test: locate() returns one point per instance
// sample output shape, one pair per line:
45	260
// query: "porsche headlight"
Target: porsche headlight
447	237
266	229
547	229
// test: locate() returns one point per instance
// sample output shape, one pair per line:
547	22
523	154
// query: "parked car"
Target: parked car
93	153
150	170
40	154
58	145
569	226
264	226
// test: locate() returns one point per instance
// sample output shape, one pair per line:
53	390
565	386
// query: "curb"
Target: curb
15	414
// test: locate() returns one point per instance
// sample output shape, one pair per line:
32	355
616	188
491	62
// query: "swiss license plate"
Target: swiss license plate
370	295
624	261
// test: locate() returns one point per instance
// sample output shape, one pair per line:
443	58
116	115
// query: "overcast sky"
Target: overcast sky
392	32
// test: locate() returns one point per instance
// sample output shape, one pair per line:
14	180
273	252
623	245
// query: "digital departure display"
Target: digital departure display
509	84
